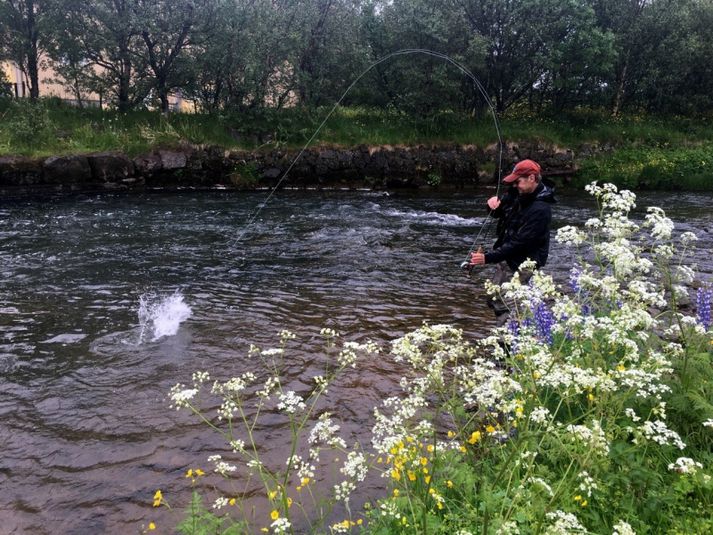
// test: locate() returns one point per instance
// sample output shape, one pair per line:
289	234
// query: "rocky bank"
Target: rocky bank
204	167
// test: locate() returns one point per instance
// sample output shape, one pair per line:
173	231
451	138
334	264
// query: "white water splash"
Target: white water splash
433	218
161	315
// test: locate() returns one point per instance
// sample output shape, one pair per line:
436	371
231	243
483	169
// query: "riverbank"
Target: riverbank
207	167
49	147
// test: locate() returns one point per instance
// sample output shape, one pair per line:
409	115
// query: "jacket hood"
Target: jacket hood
547	193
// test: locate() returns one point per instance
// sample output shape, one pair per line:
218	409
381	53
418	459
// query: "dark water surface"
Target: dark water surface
85	429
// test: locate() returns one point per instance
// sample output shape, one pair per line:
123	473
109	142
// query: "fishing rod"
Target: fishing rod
403	52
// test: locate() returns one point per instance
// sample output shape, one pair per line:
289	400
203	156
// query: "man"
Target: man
523	232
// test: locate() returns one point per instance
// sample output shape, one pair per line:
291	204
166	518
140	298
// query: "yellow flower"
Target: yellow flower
396	493
490	429
379	460
232	501
411	476
584	503
474	437
403	520
274	514
272	494
152	526
424	461
427	479
264	530
577	498
537	375
425	470
189	473
590	396
462	448
199	472
304	481
289	502
449	484
451	434
157	498
396	475
360	522
439	505
430	448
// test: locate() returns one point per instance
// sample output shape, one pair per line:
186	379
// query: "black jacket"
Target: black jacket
525	228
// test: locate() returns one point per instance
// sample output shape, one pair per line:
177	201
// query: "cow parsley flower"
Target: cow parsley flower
290	402
685	465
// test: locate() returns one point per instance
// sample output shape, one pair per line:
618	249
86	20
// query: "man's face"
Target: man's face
526	184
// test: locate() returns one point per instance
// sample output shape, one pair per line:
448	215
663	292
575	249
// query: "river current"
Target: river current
89	282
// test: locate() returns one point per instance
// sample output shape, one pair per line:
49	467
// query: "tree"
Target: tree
167	29
22	22
95	44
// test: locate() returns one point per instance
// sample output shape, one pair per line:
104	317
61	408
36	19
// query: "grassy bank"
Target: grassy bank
647	152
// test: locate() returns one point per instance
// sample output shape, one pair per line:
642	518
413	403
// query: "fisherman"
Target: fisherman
524	215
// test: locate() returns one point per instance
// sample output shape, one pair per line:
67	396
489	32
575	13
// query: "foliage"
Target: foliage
28	125
664	167
625	55
579	423
590	412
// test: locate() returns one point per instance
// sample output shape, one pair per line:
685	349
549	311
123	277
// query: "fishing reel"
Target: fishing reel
466	267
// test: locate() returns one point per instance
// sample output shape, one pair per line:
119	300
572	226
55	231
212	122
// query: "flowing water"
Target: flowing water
108	301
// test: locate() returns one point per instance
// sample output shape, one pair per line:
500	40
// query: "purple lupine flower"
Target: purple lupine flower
574	274
514	329
703	306
544	320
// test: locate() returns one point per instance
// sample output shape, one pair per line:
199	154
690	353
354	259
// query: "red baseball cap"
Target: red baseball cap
523	168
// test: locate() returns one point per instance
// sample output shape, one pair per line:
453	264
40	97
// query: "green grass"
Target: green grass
646	151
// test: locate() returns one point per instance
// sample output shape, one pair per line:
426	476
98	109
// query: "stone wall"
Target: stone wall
377	167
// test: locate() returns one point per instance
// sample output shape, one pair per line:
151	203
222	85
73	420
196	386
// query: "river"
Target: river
86	432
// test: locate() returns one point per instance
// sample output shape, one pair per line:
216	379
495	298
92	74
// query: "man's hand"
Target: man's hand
493	203
477	259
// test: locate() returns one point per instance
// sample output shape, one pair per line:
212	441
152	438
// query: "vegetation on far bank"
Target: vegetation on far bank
640	151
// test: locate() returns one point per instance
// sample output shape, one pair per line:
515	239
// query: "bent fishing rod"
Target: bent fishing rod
402	52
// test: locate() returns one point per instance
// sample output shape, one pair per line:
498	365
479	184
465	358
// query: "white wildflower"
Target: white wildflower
281	525
623	528
586	483
343	491
355	466
290	402
685	465
220	502
570	236
540	415
563	523
181	396
658	432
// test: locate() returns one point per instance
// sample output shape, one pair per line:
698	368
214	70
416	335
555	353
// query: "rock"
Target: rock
271	173
172	159
110	166
18	171
66	170
147	164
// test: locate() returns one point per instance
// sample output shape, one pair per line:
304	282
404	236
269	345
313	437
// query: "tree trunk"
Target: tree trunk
621	85
32	52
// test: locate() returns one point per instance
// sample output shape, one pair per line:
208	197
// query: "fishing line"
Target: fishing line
403	52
